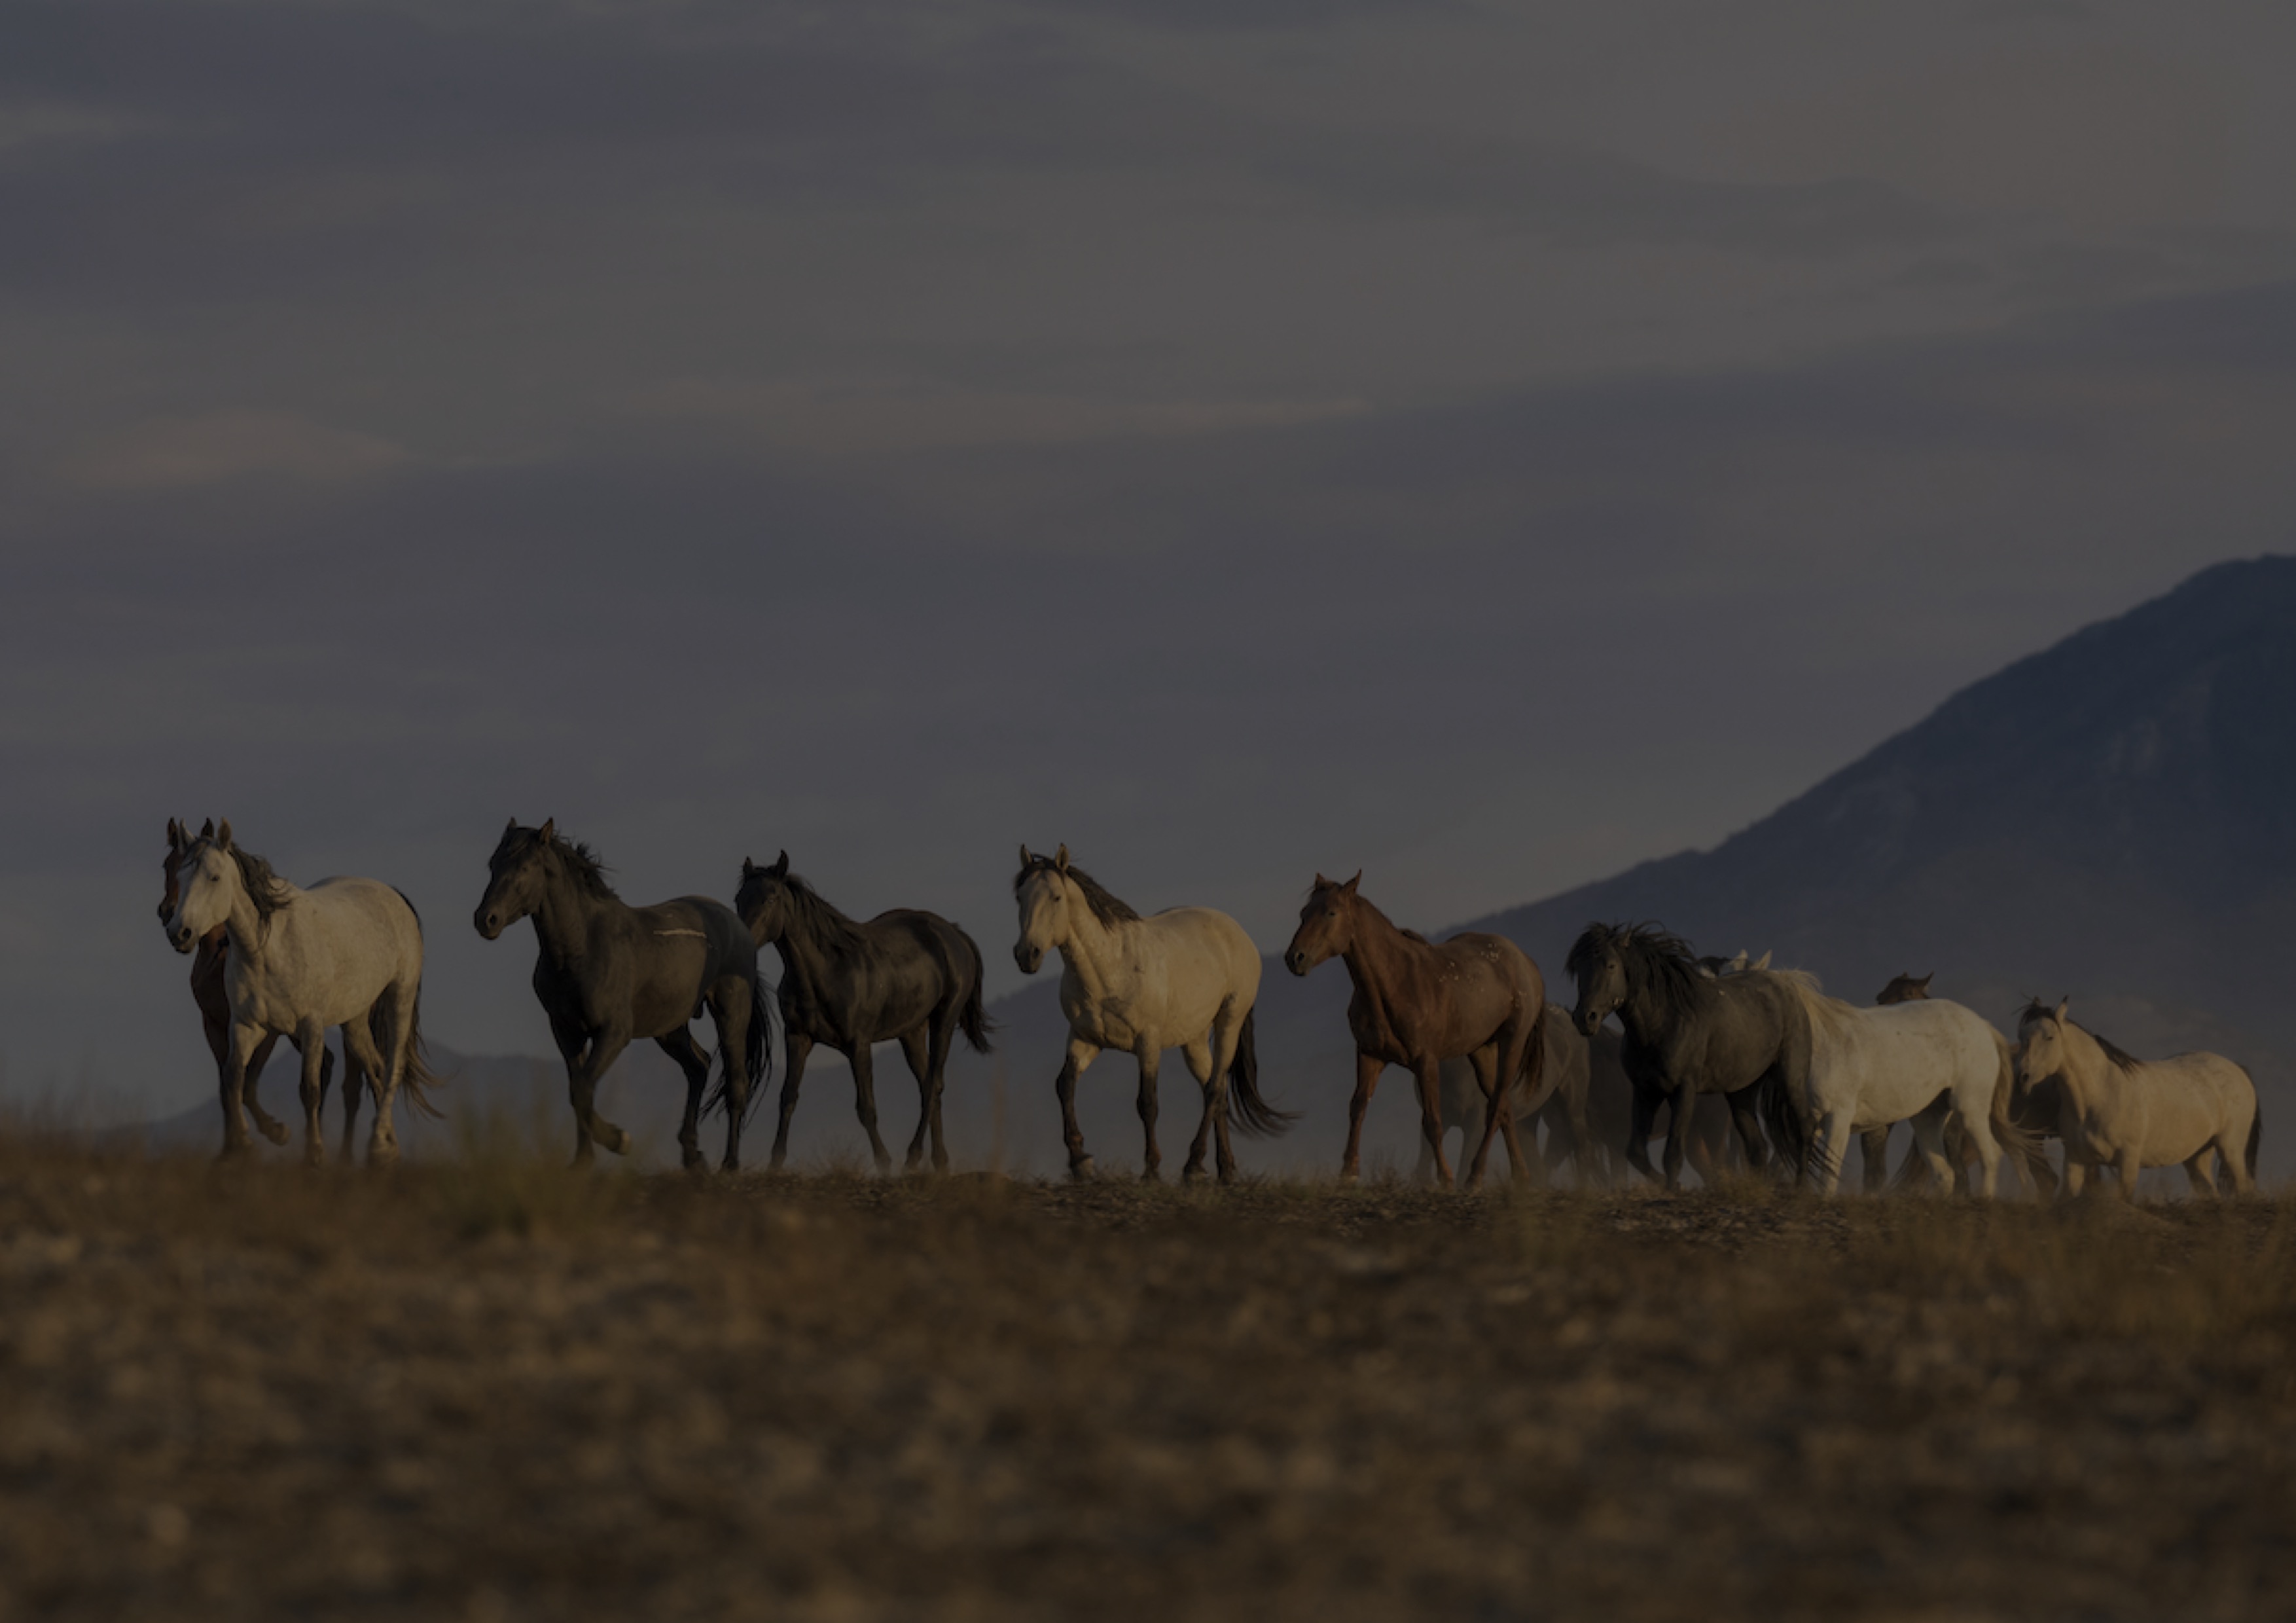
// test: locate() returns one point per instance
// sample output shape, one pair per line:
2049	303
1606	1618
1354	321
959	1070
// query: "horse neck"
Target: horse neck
1090	948
804	951
561	920
1645	1014
2088	1072
1378	951
244	930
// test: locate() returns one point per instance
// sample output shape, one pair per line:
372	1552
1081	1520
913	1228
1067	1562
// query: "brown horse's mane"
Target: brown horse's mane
265	889
2120	1056
1108	909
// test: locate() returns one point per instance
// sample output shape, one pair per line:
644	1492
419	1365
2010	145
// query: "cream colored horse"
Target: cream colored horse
2128	1114
1873	1066
1185	979
345	952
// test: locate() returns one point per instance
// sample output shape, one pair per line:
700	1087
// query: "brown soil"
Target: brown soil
496	1391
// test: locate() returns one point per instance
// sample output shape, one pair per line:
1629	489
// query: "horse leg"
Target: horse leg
2076	1177
1748	1120
2196	1171
1832	1140
266	1124
1975	1116
1928	1141
1198	1056
2232	1157
312	1043
1874	1144
1081	1054
1642	1116
1151	1168
1427	1071
731	1011
681	1047
1494	1076
2131	1166
914	1050
1583	1151
1367	1069
244	1040
796	1045
943	1038
864	1102
606	1046
360	1056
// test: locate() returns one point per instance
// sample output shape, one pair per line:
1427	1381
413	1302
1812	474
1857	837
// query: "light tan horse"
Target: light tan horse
1187	978
2128	1114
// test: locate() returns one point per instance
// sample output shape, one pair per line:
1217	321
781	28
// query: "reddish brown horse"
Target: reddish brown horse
215	1003
1417	1004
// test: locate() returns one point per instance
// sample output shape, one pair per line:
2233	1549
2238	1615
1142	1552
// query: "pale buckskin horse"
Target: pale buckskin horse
1689	1033
1416	1004
1187	977
1916	1061
609	974
345	952
1561	1100
2116	1110
214	1002
906	976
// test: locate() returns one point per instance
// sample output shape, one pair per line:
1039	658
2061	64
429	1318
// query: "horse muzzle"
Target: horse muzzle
180	937
1588	1026
1030	959
487	922
1296	961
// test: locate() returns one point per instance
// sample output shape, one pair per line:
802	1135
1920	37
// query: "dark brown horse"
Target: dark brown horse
1417	1004
215	1003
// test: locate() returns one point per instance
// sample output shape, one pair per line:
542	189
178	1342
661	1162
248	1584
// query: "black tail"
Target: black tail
1253	1114
2255	1131
1784	1125
972	1020
757	1060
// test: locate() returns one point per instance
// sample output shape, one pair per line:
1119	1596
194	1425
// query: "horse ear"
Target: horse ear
1025	858
223	835
1350	886
511	827
747	867
1924	982
1061	860
207	830
1762	962
2062	1004
779	870
1321	882
175	835
550	829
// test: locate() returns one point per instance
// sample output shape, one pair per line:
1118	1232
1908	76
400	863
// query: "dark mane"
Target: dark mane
822	921
2120	1056
1106	908
582	863
1656	961
265	889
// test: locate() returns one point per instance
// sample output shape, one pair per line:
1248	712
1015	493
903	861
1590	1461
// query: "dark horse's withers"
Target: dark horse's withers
610	973
906	976
1744	1036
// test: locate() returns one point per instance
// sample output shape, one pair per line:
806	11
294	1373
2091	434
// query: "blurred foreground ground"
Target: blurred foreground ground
495	1391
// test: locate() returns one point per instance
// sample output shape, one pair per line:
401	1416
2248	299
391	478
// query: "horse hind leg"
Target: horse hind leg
864	1102
915	1049
2197	1172
1151	1169
732	1010
311	1046
362	1056
1874	1147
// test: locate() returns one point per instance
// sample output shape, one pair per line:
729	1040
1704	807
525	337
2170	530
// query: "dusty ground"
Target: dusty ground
496	1391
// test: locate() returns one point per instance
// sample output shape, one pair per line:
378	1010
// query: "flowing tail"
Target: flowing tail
758	1058
416	1073
2009	1132
1774	1101
1253	1114
972	1020
2255	1126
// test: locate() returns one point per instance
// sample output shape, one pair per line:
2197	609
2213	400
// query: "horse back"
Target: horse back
329	952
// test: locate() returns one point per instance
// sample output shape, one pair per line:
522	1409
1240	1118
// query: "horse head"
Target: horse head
1598	963
1906	989
763	900
1327	924
515	878
1042	889
204	884
2040	1052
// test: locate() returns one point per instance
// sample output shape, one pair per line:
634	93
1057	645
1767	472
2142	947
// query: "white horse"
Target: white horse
1903	1062
1187	978
345	952
2128	1114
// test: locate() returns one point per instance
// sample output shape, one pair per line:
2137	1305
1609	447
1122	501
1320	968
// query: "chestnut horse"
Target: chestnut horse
1417	1004
215	1003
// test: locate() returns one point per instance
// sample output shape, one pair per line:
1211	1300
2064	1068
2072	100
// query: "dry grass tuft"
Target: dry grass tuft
495	1389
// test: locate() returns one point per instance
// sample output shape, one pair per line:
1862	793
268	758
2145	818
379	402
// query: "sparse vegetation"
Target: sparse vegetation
494	1389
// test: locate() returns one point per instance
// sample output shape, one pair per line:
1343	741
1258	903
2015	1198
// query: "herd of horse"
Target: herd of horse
1746	1062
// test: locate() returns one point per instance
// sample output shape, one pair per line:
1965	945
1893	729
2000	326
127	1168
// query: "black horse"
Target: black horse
906	976
611	973
1744	1036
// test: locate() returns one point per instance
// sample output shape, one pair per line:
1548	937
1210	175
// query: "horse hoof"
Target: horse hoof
1192	1174
276	1131
619	1143
1150	1174
1348	1175
1081	1170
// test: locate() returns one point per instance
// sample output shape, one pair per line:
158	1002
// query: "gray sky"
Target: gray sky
1234	437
